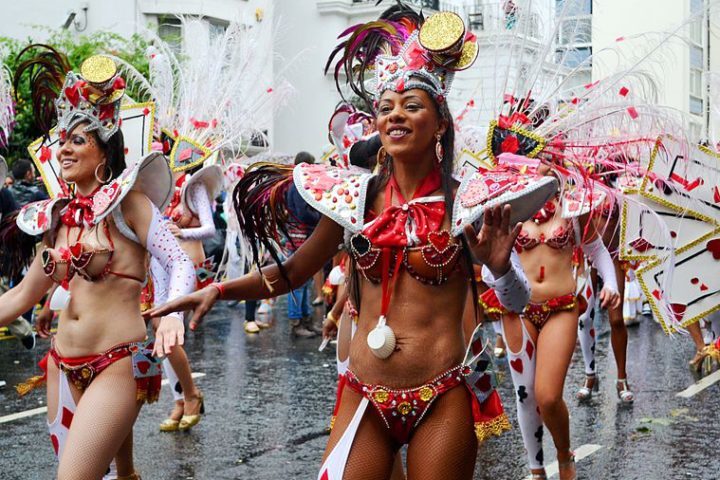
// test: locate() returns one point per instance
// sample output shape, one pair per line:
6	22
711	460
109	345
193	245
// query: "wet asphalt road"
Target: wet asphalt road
269	399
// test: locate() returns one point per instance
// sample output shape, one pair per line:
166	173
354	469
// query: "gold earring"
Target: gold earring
439	151
97	177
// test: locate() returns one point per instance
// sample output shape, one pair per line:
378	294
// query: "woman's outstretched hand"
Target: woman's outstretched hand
199	302
170	332
494	243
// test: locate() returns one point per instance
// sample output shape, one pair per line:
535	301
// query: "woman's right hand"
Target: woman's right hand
329	328
43	322
199	302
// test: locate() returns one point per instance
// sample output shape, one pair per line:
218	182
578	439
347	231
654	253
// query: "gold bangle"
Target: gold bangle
331	317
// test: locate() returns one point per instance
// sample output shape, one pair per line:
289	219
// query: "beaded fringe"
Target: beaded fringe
495	427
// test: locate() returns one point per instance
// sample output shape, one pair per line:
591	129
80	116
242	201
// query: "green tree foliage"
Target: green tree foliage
77	48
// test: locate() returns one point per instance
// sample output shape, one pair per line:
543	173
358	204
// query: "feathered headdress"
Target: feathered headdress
47	69
212	98
7	110
405	52
91	96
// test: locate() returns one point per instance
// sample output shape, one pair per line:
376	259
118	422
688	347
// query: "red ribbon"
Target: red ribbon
388	230
79	211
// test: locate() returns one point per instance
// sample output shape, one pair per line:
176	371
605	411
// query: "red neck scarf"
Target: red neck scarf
79	211
392	227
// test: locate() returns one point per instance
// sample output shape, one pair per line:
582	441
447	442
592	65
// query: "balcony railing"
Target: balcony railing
497	17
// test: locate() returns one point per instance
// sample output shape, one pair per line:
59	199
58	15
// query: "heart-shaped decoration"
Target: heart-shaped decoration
360	244
439	240
713	246
476	193
76	250
694	280
72	94
716	194
143	366
517	365
703	288
104	197
657	294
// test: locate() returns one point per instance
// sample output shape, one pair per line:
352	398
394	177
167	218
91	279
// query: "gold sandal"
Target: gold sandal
189	421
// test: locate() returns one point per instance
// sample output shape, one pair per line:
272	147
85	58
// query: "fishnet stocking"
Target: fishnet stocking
373	452
103	420
444	445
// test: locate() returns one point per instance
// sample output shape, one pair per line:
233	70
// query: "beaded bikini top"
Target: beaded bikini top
410	234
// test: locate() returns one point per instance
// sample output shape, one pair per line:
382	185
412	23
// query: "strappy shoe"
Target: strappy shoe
624	393
189	421
569	463
585	392
170	424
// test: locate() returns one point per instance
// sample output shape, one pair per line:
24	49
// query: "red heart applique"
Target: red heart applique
716	194
72	94
143	366
76	250
325	476
483	384
694	280
713	246
439	240
703	287
656	293
517	365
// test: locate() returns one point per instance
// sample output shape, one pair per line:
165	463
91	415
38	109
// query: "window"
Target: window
574	7
170	31
575	30
696	57
216	29
696	105
696	82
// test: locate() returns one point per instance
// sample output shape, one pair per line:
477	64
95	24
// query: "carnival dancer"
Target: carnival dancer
204	112
411	262
96	239
609	227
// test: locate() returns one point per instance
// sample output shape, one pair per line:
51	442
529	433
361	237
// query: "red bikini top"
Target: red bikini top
91	264
562	237
410	230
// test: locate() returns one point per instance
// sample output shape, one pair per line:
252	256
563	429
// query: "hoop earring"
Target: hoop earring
381	154
439	151
97	177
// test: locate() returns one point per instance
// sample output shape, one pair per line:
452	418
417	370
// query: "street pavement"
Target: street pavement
269	398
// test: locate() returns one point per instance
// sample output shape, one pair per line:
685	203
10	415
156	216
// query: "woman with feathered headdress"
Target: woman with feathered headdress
97	232
412	235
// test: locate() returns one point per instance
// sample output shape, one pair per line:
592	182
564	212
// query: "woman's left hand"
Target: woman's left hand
494	243
609	298
175	230
169	333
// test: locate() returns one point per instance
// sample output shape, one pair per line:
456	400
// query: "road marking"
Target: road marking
193	375
580	453
26	413
40	410
700	385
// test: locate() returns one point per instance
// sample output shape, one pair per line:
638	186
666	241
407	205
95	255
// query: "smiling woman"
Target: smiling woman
411	247
95	247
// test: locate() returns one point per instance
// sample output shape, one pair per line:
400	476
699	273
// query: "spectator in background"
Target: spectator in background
25	188
299	311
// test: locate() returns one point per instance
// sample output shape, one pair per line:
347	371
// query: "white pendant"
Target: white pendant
60	299
381	339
